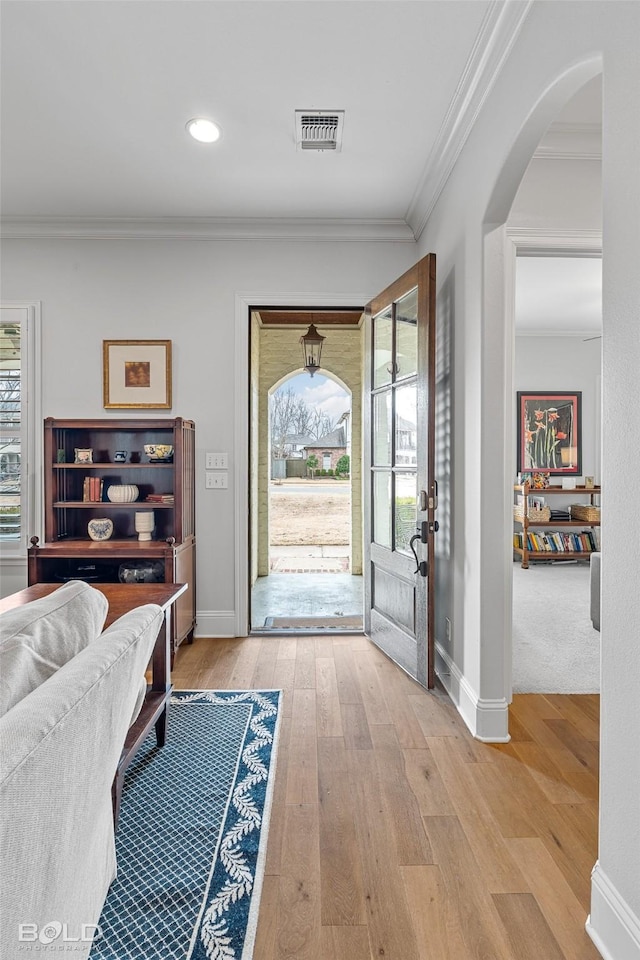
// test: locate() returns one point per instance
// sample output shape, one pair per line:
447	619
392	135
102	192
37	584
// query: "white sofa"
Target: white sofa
67	697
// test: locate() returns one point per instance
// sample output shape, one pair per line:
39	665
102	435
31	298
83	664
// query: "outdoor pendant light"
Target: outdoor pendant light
311	345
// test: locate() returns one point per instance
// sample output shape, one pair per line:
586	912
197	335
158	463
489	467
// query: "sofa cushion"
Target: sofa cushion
60	749
40	637
142	693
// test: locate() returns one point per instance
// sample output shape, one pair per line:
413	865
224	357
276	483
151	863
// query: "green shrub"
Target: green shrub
329	472
343	464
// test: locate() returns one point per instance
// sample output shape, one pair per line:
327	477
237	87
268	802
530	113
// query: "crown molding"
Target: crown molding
498	31
550	242
581	334
571	141
203	228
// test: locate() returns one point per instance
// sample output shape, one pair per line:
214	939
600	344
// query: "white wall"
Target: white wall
556	51
183	290
556	194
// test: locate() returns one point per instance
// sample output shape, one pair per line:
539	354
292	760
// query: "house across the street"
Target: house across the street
328	449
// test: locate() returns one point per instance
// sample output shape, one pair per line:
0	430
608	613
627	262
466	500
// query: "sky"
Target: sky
320	391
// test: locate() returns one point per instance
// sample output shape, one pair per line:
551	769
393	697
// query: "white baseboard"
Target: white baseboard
215	623
613	927
13	575
488	720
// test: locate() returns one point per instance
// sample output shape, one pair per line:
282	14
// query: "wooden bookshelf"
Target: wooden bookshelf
559	531
68	552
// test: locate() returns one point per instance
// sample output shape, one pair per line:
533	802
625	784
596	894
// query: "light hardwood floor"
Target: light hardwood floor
394	834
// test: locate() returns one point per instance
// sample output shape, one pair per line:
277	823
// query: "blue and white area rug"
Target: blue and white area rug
191	840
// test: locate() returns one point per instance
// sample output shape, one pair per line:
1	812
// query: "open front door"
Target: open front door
400	493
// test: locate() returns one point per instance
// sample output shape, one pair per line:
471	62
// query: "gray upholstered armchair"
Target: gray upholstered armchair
595	590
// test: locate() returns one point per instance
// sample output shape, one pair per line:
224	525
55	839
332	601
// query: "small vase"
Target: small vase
100	528
144	523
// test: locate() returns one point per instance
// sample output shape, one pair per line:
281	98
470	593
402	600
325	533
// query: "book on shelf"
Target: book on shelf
533	502
554	541
92	489
160	498
560	514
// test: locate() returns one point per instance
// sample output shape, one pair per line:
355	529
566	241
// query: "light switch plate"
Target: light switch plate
216	480
216	461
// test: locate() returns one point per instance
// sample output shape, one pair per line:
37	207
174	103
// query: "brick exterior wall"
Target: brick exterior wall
335	453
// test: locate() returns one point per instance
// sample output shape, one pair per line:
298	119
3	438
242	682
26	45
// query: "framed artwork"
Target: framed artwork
136	373
82	455
550	432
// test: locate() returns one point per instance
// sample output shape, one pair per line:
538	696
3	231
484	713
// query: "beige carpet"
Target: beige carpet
555	648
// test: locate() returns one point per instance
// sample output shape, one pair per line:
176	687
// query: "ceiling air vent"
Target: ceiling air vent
319	129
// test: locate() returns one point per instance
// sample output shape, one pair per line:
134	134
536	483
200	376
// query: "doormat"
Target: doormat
314	623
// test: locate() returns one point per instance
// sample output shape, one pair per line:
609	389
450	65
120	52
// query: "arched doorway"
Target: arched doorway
498	386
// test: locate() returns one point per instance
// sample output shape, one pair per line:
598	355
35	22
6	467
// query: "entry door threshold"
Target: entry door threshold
352	621
306	632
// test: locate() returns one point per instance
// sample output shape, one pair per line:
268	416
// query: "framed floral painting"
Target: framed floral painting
550	432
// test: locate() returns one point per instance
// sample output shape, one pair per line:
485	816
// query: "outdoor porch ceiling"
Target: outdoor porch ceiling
290	317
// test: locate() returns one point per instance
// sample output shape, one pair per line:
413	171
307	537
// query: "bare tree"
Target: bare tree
321	423
9	409
10	453
291	414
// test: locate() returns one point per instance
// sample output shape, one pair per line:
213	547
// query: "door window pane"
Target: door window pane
382	429
405	510
382	508
407	335
406	425
382	343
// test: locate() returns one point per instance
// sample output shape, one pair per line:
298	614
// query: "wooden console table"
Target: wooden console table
123	597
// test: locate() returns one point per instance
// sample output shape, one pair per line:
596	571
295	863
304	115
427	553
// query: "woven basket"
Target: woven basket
533	516
585	511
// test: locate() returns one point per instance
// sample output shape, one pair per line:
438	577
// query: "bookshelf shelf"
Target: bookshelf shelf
555	543
75	493
107	505
111	466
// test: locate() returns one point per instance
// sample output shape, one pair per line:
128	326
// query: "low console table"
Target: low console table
123	597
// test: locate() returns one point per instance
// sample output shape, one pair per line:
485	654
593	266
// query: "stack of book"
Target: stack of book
557	542
160	498
92	489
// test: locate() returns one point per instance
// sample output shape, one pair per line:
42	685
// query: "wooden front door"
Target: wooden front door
400	496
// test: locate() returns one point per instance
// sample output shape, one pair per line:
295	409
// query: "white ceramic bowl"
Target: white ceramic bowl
122	493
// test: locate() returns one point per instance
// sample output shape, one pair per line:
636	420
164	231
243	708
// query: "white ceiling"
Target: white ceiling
96	96
559	296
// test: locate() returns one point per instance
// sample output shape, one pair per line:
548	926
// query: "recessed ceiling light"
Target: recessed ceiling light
206	131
